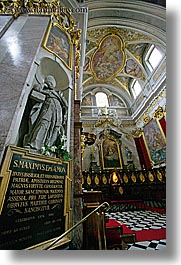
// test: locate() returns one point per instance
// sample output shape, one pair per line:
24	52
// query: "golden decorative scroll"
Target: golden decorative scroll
159	113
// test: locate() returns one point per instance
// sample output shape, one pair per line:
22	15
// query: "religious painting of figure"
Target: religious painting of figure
58	43
111	157
137	49
155	141
108	59
132	68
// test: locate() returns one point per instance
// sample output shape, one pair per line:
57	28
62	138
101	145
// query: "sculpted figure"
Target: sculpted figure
46	116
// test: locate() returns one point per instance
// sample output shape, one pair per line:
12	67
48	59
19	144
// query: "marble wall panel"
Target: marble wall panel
5	22
19	46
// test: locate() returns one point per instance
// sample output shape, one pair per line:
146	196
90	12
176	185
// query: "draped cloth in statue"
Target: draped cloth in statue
46	117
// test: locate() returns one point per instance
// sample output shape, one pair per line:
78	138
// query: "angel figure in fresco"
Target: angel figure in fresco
58	46
132	68
108	58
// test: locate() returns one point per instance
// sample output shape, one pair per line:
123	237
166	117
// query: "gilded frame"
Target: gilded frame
155	141
110	153
58	42
5	175
110	54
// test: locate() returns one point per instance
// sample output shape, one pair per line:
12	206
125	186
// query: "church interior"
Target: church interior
83	125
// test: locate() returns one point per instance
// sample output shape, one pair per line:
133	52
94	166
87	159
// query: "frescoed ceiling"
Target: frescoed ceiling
117	54
119	34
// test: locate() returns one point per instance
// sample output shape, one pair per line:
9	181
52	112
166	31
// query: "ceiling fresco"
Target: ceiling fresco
108	59
114	56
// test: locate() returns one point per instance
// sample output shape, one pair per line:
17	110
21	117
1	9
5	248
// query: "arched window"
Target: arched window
136	88
153	57
101	99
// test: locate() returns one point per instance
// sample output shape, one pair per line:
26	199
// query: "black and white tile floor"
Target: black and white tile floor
139	220
148	245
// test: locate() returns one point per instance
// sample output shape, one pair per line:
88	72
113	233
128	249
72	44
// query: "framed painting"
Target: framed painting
57	41
109	57
110	151
155	141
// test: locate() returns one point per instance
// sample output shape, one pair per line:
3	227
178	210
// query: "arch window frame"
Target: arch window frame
102	102
153	53
136	88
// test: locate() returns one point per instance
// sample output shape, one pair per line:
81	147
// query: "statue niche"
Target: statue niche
47	115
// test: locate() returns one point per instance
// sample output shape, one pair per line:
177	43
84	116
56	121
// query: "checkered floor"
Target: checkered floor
148	245
139	220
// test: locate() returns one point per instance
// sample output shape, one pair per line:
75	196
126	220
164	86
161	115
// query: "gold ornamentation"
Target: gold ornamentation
158	114
146	119
137	133
142	177
159	175
42	7
165	110
126	34
90	124
75	34
89	180
58	42
53	8
82	144
133	178
114	177
96	180
125	178
121	190
155	102
104	180
150	177
65	19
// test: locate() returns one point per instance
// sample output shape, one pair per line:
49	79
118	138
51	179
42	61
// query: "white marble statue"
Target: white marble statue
46	116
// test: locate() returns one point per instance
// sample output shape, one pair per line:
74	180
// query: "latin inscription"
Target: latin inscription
34	205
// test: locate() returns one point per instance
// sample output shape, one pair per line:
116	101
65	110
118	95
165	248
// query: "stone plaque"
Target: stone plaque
34	199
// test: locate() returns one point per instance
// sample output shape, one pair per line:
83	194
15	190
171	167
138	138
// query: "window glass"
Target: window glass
101	99
153	57
136	88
